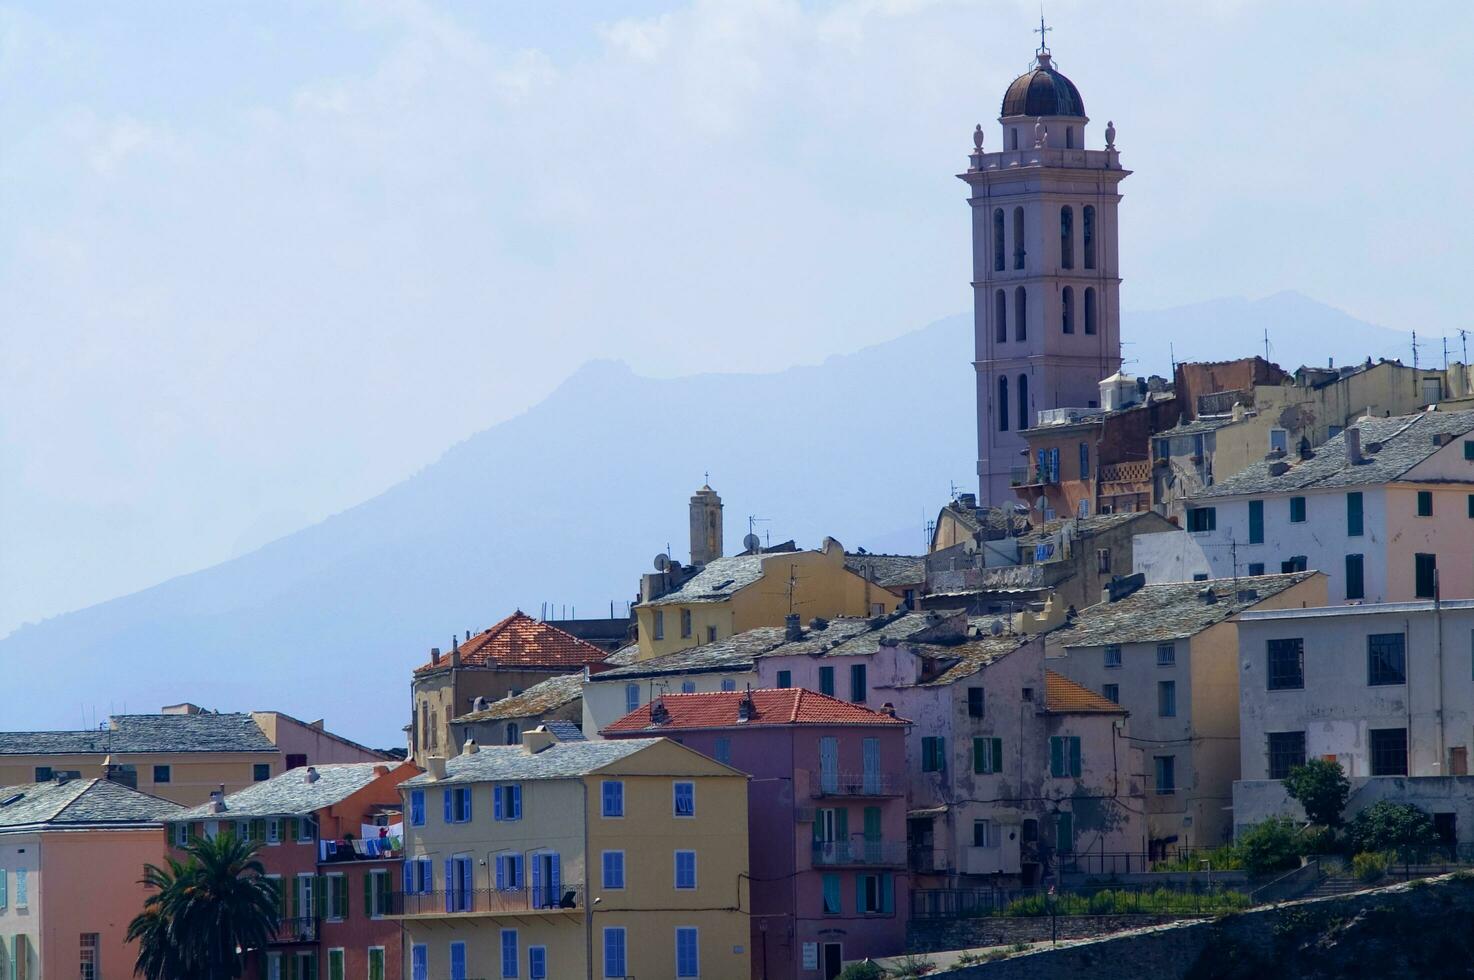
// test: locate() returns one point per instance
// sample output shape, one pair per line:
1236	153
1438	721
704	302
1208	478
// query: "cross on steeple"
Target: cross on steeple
1042	31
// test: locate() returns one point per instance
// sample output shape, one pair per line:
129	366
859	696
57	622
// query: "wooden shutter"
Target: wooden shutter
368	893
997	759
1075	756
980	755
1056	756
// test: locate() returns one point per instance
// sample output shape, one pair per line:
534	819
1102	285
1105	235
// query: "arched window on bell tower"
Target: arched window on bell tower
1002	403
1089	309
999	247
1023	401
1020	314
1000	317
1066	237
1067	310
1018	238
1089	229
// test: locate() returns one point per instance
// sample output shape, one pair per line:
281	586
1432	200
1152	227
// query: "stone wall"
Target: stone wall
1419	929
935	935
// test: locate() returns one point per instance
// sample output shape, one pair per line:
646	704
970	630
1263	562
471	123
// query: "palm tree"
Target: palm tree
204	913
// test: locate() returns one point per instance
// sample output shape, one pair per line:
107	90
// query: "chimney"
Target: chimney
537	740
1208	596
455	651
792	628
818	623
745	707
706	526
967	501
1353	445
1121	586
434	656
381	770
888	709
311	775
435	765
217	800
470	748
479	704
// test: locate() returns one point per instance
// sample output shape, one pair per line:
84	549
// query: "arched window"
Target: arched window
998	245
1020	314
1023	401
1089	310
1018	238
514	736
1000	317
1067	237
1067	309
1089	230
1002	404
1013	137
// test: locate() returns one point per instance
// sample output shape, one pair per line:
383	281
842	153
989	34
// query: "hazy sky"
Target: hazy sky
260	261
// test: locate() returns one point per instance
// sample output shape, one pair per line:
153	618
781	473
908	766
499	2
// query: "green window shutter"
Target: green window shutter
291	966
1056	756
291	835
859	894
997	755
980	755
368	893
335	964
872	823
887	894
842	824
319	892
817	823
258	830
1075	756
289	885
340	898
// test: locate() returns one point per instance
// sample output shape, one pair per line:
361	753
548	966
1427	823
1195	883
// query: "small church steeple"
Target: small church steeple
706	525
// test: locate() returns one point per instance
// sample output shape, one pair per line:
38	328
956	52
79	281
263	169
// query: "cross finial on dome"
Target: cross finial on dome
1043	32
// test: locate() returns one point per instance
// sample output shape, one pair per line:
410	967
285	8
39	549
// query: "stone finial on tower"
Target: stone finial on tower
975	159
977	138
1110	135
706	526
1039	133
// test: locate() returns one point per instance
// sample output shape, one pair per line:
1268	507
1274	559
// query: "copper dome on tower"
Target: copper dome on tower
1043	92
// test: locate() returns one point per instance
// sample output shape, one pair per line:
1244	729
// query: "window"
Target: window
631	697
273	966
659	624
1256	568
983	835
1355	525
826	681
506	802
1087	223
1355	579
688	687
785	678
1256	522
873	894
1002	404
417	808
1067	310
456	803
974	702
261	772
1000	317
1286	751
1425	503
335	965
1297	510
1064	756
1067	237
1386	659
1165	770
711	634
1167	699
376	963
162	774
688	957
1111	692
295	760
1103	558
1084	463
721	750
987	755
1200	576
1295	563
1389	751
1285	670
832	904
306	966
89	957
22	888
683	799
729	684
511	871
1089	310
685	870
510	956
685	623
1018	238
612	798
1469	448
179	835
1166	654
1113	655
335	896
1425	575
537	962
857	683
998	243
1020	317
613	867
1201	519
932	753
1064	832
274	830
1026	418
512	734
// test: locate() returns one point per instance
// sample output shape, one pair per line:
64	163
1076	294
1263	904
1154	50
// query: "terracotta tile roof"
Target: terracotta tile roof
521	641
1064	696
785	706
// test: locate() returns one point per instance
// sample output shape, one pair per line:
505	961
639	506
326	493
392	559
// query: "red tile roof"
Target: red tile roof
521	641
778	706
1066	697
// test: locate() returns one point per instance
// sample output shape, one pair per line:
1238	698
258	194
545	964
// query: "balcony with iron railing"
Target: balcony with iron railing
824	783
355	849
859	854
489	901
298	929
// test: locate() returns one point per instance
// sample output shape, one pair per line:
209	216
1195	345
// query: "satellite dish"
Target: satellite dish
752	542
662	562
996	628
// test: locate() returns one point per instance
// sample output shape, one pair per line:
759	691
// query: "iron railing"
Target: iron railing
487	900
299	929
859	853
1108	863
966	903
823	783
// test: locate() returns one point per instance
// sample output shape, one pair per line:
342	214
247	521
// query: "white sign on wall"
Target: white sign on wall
811	956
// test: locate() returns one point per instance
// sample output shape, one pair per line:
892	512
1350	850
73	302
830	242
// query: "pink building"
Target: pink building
71	854
826	815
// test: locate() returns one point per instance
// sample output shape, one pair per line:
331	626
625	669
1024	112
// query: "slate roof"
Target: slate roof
80	802
1063	696
993	522
290	794
1084	526
888	571
718	581
735	653
561	760
544	696
1042	91
770	707
565	731
1406	440
1175	611
521	641
977	653
146	734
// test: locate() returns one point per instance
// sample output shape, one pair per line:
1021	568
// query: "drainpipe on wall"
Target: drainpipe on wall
1438	664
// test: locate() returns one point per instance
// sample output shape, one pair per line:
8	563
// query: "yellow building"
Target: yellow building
576	859
736	594
179	755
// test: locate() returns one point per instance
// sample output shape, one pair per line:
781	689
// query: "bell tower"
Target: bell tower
1046	286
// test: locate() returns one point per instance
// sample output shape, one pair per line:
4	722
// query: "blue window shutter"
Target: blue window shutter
516	802
497	811
537	875
450	887
859	894
1074	756
409	881
555	887
449	815
1056	756
466	804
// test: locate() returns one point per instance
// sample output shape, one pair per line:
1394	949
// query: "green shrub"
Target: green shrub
912	965
862	971
1321	788
1271	845
1320	840
1370	866
968	958
1384	825
1229	857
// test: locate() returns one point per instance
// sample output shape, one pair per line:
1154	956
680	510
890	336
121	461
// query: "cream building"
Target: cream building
576	859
